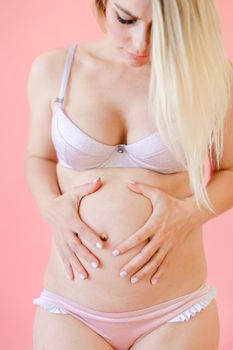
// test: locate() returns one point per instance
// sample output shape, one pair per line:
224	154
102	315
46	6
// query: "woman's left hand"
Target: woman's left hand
166	229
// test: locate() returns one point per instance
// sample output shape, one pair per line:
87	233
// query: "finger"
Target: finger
79	248
86	233
137	262
161	269
139	236
85	189
66	264
150	192
69	270
75	262
156	260
141	258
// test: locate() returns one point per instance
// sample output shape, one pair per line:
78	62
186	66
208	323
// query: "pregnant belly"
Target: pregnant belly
119	212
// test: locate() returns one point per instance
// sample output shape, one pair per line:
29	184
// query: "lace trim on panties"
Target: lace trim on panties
49	306
188	313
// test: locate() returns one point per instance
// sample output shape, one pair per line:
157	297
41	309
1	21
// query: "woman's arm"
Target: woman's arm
220	192
40	162
42	179
59	210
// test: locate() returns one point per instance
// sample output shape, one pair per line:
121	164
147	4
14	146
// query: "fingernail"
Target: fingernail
96	179
131	182
69	277
115	252
123	273
99	245
82	276
154	280
134	280
94	264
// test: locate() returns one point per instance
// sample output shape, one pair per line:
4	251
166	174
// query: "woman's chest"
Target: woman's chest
113	110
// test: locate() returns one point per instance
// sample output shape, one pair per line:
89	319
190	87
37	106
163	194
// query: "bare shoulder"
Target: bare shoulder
46	70
43	83
45	74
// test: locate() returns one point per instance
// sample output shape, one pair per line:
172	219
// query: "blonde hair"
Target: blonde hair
190	85
99	11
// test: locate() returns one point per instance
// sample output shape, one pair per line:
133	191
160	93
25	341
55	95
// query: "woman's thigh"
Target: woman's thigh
199	332
58	331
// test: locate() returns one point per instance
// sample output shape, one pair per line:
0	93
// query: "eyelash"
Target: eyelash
124	21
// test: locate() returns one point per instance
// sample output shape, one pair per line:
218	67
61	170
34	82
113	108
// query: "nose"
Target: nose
141	39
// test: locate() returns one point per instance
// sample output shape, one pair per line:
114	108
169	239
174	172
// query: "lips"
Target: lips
135	56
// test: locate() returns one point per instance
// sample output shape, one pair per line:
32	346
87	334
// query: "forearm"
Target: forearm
220	192
42	179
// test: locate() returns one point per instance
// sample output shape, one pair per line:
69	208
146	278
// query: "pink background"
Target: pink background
27	29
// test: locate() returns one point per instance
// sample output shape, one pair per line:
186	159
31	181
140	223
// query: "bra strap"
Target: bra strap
66	72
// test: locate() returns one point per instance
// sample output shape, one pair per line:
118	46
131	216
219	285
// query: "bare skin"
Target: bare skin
113	116
123	211
122	216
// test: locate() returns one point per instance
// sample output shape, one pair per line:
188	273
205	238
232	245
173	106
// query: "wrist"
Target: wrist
46	201
198	216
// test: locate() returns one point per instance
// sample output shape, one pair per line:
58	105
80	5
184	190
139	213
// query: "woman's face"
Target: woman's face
128	24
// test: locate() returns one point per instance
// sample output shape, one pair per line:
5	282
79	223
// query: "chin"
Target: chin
137	63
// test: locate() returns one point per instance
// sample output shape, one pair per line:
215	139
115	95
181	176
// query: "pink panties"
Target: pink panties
122	329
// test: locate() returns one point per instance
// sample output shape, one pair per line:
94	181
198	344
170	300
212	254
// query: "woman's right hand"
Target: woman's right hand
62	215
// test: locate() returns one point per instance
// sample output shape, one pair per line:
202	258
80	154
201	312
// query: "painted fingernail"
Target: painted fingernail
82	276
94	264
99	245
154	280
134	280
123	273
131	182
96	179
115	252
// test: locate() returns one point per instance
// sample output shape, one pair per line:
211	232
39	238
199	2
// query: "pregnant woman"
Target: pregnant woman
120	180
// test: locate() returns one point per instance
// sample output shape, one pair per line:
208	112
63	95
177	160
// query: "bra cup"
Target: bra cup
80	160
79	151
59	142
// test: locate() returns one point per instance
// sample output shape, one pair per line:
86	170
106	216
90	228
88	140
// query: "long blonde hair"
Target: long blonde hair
190	85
